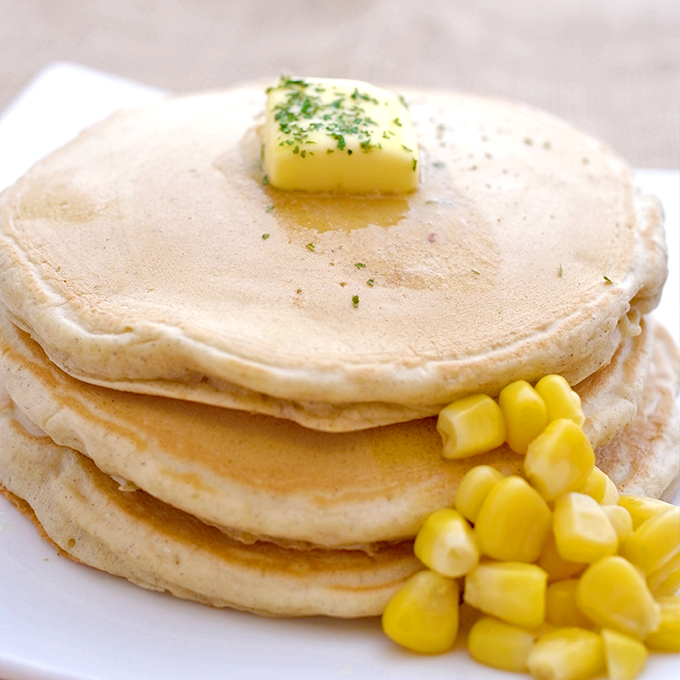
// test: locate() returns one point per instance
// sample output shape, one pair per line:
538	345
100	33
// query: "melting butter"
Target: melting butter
335	135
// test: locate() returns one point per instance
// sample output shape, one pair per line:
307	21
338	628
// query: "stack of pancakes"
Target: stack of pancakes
230	393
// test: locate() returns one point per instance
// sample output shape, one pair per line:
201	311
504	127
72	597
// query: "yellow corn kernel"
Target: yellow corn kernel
513	521
583	532
446	544
560	399
500	645
474	488
621	521
524	412
666	580
554	564
625	656
567	654
561	609
642	508
655	541
511	591
471	426
667	636
599	486
423	614
613	594
559	459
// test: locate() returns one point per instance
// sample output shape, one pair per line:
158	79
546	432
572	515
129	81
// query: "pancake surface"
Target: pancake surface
135	257
256	475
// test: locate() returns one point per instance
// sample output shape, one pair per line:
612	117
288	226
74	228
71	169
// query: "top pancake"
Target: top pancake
135	257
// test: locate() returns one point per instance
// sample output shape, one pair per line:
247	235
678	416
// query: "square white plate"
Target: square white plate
63	621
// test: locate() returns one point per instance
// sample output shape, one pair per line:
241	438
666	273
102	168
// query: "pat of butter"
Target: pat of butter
332	135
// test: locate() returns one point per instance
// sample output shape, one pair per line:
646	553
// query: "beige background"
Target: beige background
612	67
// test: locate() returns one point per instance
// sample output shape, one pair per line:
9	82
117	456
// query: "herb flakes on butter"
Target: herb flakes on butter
333	135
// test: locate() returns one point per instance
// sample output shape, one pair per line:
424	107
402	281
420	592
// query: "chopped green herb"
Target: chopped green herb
303	111
270	208
368	146
265	237
607	280
363	96
310	246
415	162
265	180
370	282
355	300
405	148
359	265
397	122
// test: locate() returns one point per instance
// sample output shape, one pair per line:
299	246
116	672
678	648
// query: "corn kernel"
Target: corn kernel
567	654
561	609
613	594
666	580
560	399
642	508
621	521
625	656
446	544
554	564
500	645
525	414
511	591
513	521
559	459
474	488
667	637
423	614
599	486
583	532
655	541
471	426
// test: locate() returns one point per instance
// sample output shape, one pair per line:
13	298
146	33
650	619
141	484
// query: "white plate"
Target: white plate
60	620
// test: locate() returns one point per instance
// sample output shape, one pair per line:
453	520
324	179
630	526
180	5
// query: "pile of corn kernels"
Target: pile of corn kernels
568	579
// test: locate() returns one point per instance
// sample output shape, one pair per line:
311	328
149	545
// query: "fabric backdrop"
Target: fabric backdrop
611	67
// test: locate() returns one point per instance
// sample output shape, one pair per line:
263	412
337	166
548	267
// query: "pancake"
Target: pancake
644	459
131	534
135	536
134	256
267	477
